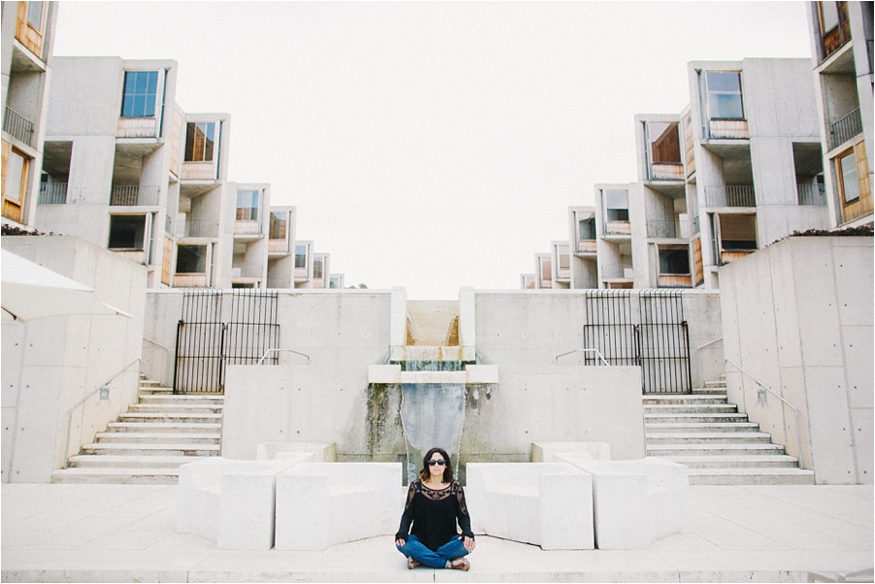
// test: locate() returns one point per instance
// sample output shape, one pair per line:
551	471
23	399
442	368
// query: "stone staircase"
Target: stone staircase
149	443
720	445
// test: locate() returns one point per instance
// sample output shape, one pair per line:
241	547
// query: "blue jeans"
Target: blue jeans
449	551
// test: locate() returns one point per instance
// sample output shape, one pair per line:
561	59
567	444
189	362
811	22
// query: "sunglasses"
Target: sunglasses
436	462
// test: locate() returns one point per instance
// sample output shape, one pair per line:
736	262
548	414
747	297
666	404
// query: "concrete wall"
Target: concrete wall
52	363
798	317
529	404
531	328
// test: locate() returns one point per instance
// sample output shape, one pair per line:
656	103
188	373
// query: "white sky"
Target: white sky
433	145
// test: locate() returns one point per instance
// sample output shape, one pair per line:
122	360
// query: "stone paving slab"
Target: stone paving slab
126	533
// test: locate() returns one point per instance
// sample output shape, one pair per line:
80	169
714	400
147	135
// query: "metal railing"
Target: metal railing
730	196
244	227
198	229
769	389
269	351
578	352
53	193
18	126
167	350
811	194
133	196
664	229
82	401
846	128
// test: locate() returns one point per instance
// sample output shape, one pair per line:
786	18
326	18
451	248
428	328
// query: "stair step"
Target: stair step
155	391
713	449
152	449
115	461
691	409
180	417
650	400
193	408
751	476
721	383
709	438
709	391
740	461
172	427
181	399
715	418
157	438
141	476
681	427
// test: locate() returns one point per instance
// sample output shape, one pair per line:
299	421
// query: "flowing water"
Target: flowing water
432	415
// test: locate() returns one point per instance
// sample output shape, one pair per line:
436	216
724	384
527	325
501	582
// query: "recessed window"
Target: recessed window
674	260
848	180
141	87
586	229
617	205
724	95
664	143
279	222
127	231
300	256
247	205
200	141
738	232
191	259
35	15
317	267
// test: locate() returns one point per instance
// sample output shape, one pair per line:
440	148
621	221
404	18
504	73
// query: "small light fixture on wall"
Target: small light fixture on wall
761	396
104	393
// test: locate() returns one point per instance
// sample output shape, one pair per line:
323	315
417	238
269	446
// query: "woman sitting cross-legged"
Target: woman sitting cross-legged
435	503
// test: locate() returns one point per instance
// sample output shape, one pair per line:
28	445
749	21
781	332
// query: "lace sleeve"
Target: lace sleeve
462	512
407	516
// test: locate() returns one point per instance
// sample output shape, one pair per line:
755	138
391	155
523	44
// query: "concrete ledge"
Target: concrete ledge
319	452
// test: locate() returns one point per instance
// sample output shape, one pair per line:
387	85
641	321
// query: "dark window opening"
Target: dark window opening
674	261
665	145
127	231
199	141
191	259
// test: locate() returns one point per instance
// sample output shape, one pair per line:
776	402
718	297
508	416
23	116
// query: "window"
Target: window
191	259
664	143
279	224
674	260
247	205
199	141
317	267
35	15
334	282
16	177
586	229
724	95
829	16
617	205
738	232
138	100
127	232
300	256
849	184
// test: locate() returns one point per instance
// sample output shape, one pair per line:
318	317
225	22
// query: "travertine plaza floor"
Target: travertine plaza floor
126	533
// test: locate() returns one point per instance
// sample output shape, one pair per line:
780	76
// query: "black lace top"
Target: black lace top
434	514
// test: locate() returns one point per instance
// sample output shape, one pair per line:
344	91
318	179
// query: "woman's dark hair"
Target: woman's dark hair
448	468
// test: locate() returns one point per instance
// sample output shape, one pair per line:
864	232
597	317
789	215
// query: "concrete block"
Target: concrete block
384	373
323	504
229	501
481	374
546	504
637	501
318	452
552	451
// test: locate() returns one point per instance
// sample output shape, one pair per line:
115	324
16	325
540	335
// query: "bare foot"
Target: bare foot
460	564
411	563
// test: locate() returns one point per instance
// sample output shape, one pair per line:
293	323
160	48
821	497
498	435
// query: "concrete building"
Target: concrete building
128	170
28	33
738	169
841	47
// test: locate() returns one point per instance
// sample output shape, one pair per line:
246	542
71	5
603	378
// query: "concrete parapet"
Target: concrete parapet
547	504
322	504
229	501
285	450
552	451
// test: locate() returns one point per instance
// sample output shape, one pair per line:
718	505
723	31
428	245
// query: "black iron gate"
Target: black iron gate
209	338
654	337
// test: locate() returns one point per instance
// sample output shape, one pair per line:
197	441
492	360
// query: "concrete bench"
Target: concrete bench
322	504
230	501
635	501
322	452
547	504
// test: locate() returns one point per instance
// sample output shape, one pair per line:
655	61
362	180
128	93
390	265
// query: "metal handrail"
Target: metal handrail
82	401
596	351
708	343
157	343
769	389
269	351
